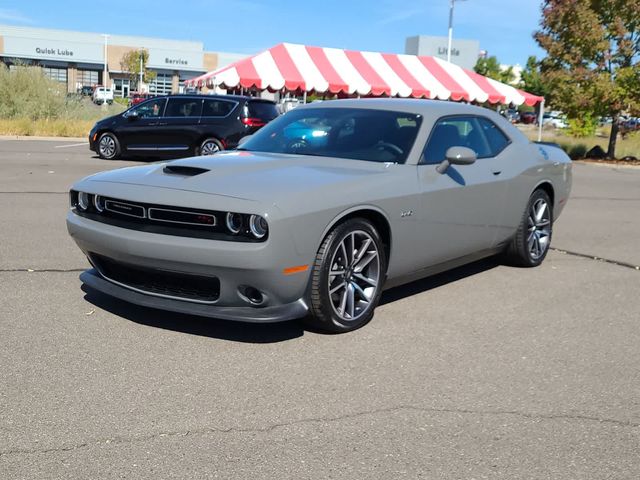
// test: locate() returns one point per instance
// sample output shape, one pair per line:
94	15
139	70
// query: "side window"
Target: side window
183	107
455	132
460	132
150	109
216	108
496	139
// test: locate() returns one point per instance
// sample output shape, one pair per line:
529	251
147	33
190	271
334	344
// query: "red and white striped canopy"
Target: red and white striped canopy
295	67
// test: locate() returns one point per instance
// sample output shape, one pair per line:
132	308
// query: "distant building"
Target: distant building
463	52
77	59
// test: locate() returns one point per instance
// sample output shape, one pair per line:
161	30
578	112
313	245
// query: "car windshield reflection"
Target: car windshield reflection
349	133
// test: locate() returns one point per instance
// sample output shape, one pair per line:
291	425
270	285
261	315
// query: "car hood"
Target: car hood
247	175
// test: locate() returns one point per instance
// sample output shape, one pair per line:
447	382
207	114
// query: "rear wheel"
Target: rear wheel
347	277
108	146
210	146
530	245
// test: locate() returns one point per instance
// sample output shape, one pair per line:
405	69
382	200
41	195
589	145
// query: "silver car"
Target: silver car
317	213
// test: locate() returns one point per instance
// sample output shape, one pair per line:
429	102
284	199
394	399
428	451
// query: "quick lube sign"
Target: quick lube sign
68	51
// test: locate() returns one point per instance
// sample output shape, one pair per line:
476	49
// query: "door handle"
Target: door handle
162	123
496	172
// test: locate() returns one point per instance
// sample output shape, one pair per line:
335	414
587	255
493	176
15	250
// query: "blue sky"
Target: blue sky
503	27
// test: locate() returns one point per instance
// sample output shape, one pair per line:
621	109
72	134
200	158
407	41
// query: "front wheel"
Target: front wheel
347	277
108	146
531	243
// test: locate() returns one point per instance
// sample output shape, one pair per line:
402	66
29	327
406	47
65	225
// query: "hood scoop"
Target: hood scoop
184	170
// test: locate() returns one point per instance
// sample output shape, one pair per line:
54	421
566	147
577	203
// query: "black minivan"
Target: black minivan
181	125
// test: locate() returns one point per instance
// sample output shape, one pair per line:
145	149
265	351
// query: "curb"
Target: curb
44	139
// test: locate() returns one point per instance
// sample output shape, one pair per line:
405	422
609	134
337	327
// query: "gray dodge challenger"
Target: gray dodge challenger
320	211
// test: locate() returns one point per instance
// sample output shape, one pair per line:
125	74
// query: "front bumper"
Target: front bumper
277	313
235	264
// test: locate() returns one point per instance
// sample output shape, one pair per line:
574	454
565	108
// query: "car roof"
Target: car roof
222	97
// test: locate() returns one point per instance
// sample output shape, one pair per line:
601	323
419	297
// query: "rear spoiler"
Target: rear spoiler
549	144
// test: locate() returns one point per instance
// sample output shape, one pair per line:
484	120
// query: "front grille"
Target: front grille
162	219
195	288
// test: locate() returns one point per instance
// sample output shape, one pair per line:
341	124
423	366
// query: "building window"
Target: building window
88	78
121	87
162	84
56	74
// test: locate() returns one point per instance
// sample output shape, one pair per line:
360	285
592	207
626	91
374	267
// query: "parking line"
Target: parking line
73	145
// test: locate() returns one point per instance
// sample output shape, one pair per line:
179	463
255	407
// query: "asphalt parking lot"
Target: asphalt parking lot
488	371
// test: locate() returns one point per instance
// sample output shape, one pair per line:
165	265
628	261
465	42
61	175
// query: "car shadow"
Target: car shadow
194	325
439	280
245	332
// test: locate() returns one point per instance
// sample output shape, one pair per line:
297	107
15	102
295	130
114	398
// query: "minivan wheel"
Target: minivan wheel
210	146
108	146
347	277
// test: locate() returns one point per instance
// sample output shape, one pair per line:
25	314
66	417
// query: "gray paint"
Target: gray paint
303	197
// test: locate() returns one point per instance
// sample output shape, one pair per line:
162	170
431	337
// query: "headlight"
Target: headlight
83	200
98	203
258	226
234	222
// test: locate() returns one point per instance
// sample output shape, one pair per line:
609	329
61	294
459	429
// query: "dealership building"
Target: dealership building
464	53
78	59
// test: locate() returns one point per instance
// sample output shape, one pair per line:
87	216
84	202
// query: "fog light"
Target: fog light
251	295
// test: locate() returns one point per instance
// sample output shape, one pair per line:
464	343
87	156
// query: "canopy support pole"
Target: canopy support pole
540	120
304	97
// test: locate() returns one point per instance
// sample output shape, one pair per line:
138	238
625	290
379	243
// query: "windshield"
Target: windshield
353	133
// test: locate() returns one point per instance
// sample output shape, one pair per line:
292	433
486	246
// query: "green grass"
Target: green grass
31	104
629	146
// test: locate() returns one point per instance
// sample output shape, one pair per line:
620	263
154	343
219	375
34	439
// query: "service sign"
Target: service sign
59	50
162	59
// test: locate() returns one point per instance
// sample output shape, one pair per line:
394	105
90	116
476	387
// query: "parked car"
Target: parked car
512	115
86	91
181	125
102	95
399	190
555	120
136	98
528	117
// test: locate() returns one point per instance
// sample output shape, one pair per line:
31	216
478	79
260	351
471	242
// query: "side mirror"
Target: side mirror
133	116
243	139
457	156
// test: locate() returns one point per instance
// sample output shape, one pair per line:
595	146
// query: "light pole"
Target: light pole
452	2
105	75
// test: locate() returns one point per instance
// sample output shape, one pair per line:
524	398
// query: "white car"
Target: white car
102	95
555	120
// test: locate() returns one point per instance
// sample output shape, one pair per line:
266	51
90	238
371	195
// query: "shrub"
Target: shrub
577	151
582	127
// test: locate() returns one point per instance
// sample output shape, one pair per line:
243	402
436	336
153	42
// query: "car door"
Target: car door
138	132
459	209
178	128
218	121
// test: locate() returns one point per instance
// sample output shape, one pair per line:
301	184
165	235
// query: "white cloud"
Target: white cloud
13	16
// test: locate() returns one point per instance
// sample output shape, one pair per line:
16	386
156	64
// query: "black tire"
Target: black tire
108	146
209	147
325	306
532	231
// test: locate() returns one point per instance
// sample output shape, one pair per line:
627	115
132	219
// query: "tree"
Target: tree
593	51
130	63
490	67
531	79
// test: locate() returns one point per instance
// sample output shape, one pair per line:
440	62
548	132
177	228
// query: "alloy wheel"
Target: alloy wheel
209	148
539	228
107	146
354	275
